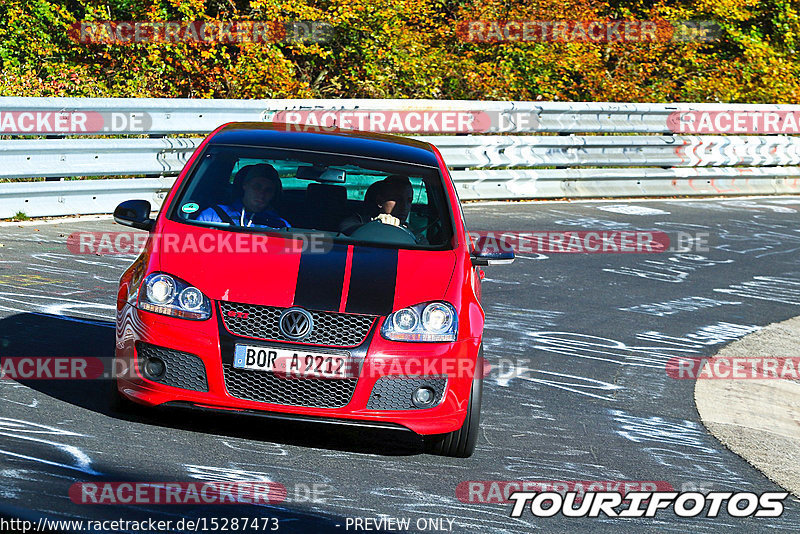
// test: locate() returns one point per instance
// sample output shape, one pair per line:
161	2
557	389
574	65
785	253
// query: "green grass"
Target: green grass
20	216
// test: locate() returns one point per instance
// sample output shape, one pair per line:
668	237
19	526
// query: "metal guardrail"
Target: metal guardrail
166	116
487	166
615	151
124	157
40	199
94	157
631	182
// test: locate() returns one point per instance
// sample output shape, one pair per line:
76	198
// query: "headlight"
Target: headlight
430	321
405	320
168	295
160	289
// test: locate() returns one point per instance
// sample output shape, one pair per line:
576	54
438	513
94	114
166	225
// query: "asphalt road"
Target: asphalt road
578	390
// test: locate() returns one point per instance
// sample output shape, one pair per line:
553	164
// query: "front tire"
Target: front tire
461	443
119	403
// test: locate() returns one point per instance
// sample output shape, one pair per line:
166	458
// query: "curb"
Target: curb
758	419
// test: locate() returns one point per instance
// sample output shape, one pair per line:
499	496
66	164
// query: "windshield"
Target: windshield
345	197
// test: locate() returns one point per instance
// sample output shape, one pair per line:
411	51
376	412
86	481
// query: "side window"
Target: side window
420	191
208	188
286	171
357	184
242	162
420	216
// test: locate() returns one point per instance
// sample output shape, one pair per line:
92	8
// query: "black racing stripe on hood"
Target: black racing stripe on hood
373	276
320	279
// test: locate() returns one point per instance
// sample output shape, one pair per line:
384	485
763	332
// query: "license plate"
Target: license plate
292	363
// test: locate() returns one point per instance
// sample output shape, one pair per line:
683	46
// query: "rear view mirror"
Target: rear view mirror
322	174
332	174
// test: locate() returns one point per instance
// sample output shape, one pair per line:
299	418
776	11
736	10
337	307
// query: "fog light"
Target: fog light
423	397
154	368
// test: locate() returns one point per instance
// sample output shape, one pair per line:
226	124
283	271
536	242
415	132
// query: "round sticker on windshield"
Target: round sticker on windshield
191	207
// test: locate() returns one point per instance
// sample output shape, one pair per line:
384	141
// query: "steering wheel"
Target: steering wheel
385	233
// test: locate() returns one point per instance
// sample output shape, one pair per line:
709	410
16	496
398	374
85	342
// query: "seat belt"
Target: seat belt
223	215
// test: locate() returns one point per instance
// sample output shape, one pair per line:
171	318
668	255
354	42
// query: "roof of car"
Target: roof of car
334	140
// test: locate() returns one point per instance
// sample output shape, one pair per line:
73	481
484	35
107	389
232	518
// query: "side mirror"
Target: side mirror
490	251
134	213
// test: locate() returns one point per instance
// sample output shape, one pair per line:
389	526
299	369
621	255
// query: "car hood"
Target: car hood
276	271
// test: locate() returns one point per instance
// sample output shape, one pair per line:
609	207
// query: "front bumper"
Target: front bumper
213	345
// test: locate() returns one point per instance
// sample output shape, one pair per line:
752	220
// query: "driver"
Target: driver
388	201
259	185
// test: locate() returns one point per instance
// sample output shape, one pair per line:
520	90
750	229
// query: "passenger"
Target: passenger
257	187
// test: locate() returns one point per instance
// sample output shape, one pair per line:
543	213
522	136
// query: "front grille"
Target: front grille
330	328
182	370
263	386
394	393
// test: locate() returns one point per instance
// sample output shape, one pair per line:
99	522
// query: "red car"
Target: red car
322	276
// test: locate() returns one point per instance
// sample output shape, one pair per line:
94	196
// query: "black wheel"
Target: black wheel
461	443
118	403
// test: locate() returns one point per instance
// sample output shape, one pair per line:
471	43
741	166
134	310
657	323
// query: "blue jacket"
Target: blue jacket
238	216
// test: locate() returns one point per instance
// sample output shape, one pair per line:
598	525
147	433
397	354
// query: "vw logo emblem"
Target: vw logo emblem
295	323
